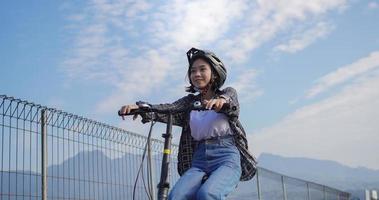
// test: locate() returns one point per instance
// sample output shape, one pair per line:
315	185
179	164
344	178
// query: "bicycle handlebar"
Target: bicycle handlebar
145	108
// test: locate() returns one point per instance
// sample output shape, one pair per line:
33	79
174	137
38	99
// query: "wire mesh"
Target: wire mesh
87	159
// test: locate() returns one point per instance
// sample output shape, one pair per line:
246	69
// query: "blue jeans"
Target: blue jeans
220	160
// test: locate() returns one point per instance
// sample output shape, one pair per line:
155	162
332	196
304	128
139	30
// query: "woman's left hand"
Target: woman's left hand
216	104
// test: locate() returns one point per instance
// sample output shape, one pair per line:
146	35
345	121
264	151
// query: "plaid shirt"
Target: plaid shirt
187	145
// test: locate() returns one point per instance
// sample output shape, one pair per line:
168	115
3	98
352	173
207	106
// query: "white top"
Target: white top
208	124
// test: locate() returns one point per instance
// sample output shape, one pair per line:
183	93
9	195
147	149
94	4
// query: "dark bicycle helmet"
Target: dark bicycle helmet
217	66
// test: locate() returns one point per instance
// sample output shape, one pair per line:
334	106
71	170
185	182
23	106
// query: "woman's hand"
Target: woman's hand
216	104
127	109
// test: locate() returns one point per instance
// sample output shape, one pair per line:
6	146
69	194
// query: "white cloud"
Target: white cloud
101	53
300	41
246	86
98	49
373	5
150	69
342	127
138	46
76	17
268	18
344	74
195	23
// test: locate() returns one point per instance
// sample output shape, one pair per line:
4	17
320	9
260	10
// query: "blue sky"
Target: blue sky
307	72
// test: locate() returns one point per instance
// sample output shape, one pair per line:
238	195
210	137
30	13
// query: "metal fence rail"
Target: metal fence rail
48	153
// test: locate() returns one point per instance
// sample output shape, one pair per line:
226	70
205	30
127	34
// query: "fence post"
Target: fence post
258	186
284	189
44	153
151	171
324	189
308	192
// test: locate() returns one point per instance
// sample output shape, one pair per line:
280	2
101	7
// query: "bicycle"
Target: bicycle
143	107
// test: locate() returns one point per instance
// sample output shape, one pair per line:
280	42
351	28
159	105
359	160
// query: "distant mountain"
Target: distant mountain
325	172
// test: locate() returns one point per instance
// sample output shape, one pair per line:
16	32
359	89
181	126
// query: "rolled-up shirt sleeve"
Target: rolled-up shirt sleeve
230	95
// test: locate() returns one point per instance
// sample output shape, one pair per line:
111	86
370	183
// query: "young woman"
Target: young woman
213	145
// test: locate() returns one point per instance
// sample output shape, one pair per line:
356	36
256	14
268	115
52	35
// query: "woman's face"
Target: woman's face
200	73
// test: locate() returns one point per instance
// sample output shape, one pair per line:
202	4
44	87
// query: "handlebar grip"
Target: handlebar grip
143	107
119	113
132	112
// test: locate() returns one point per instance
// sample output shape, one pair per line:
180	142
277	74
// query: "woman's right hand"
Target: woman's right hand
127	109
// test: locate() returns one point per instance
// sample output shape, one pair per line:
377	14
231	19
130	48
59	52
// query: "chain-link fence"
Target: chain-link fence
48	153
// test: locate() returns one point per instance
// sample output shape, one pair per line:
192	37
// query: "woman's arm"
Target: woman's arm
230	95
